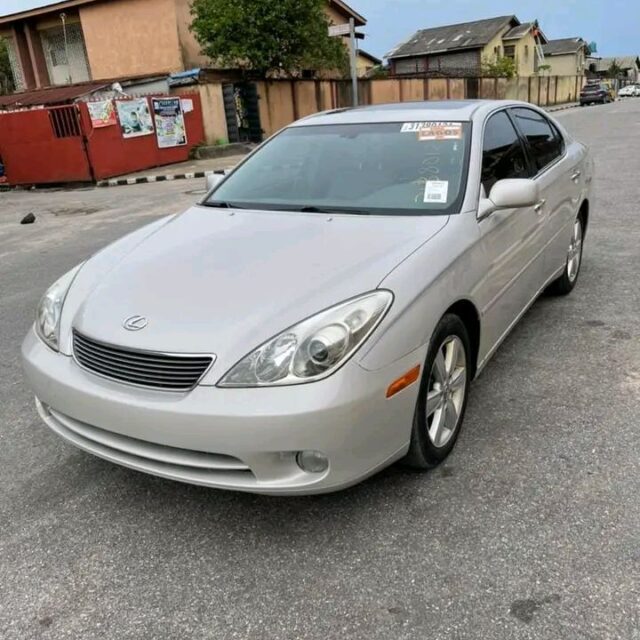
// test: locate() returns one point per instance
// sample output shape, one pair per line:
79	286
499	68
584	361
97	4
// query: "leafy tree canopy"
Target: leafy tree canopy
615	69
283	36
501	67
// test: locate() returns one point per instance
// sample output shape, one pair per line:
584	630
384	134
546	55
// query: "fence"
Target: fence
59	144
283	101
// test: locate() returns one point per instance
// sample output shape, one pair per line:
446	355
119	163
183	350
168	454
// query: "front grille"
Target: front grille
144	368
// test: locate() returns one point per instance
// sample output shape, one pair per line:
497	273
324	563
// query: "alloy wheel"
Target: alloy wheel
446	391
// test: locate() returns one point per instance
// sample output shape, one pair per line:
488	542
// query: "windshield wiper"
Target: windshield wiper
222	204
314	209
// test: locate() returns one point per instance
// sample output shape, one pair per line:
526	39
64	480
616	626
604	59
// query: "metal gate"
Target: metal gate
44	146
242	112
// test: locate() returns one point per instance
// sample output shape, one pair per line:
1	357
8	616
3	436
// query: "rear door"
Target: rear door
511	238
559	174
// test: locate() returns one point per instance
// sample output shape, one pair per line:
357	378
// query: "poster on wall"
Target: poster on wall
170	128
135	118
102	113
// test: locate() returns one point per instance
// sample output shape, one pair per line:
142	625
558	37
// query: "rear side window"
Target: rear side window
502	152
545	142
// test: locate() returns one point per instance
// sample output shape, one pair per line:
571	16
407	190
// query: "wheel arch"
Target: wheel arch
468	313
583	212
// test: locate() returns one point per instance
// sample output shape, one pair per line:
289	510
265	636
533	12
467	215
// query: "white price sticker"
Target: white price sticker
436	191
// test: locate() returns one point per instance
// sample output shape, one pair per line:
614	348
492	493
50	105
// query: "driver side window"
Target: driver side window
502	152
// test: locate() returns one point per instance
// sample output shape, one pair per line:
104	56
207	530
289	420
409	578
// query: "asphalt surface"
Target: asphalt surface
531	530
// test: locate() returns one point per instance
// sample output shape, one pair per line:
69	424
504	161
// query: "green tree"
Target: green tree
6	75
615	70
501	67
263	38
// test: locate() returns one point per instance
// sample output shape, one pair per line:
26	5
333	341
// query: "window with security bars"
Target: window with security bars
65	54
16	66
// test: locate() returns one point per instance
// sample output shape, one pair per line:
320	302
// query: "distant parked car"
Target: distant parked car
324	309
596	92
630	91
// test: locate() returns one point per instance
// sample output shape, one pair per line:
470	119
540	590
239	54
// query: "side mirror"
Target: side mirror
513	193
213	179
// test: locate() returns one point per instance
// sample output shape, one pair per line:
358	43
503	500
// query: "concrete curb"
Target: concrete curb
564	107
121	182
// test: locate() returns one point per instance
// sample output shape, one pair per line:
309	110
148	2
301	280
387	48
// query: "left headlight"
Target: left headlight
314	348
50	309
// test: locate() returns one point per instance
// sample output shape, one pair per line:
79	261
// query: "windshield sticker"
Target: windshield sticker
434	130
451	131
436	191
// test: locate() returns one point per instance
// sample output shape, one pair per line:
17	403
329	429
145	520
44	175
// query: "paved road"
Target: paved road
530	531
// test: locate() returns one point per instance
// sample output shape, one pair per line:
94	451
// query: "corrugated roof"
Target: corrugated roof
452	37
51	95
517	32
563	45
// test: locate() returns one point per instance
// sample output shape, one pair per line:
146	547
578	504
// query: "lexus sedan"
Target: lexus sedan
324	309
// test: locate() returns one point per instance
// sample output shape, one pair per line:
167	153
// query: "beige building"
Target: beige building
75	41
566	57
461	49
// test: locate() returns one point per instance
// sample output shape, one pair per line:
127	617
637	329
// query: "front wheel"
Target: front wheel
567	281
442	398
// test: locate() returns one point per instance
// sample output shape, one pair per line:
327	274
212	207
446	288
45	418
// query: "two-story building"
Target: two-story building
566	56
73	41
462	49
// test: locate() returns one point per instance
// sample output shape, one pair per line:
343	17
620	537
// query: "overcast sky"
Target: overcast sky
613	24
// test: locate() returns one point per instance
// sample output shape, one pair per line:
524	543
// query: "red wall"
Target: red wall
112	155
33	155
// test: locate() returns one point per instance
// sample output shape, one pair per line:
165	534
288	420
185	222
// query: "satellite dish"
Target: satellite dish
594	47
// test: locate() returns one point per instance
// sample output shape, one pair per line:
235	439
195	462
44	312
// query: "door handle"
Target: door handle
576	175
538	207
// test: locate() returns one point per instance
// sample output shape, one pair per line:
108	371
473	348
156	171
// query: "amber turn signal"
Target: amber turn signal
403	381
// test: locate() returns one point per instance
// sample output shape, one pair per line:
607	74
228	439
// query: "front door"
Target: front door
559	176
512	239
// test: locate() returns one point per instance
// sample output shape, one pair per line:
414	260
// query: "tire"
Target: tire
447	366
567	281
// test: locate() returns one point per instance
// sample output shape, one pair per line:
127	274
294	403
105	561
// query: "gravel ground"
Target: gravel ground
529	531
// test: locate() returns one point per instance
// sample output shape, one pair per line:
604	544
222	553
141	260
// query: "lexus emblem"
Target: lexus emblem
135	323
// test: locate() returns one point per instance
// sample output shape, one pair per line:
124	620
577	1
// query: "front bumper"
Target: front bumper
242	439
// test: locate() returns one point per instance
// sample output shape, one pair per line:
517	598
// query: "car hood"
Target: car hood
222	282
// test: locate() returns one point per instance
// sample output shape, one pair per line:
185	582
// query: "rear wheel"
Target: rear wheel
567	281
442	399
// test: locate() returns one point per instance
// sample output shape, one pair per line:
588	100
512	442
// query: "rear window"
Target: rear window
399	168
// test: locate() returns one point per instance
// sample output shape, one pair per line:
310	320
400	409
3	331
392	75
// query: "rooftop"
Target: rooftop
563	45
466	35
11	10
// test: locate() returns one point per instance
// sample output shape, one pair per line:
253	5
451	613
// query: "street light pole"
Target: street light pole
354	67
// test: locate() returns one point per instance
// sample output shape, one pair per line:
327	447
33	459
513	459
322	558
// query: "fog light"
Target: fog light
312	461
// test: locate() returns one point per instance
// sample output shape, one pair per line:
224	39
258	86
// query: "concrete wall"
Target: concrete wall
213	117
566	64
284	101
189	46
131	37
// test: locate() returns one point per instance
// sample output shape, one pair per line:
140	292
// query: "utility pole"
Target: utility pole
354	66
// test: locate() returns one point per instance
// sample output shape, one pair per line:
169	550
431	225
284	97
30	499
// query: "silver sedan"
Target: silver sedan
323	311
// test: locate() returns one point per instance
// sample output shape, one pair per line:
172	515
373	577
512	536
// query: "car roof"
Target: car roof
435	111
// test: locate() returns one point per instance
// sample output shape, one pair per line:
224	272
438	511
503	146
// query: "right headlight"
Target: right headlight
314	348
50	309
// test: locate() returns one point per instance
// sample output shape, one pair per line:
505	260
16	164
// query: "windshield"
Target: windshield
410	168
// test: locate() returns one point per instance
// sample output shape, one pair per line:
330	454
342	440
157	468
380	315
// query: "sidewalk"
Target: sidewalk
179	171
